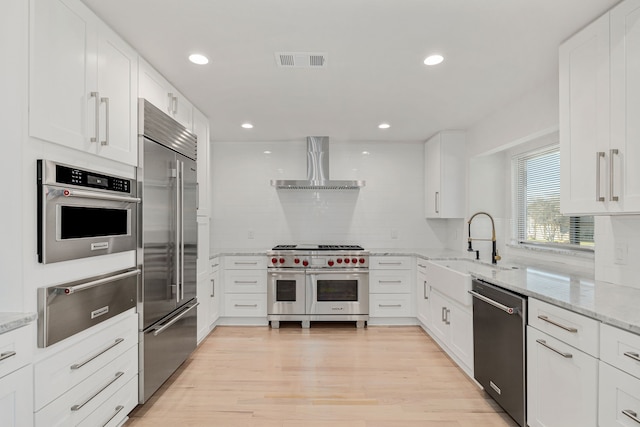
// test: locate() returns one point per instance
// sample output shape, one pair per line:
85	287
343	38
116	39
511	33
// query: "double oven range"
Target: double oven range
317	283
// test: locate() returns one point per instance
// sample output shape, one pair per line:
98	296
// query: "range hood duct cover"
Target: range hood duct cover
318	170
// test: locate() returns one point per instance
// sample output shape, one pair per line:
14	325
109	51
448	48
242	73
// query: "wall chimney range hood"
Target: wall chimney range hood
317	170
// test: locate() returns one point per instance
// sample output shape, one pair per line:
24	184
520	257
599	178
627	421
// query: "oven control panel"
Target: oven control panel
280	260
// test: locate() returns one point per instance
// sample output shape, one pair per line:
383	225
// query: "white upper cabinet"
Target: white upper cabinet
445	175
157	90
83	82
599	101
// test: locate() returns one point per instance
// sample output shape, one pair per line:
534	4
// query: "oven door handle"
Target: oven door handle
337	271
68	290
508	310
100	196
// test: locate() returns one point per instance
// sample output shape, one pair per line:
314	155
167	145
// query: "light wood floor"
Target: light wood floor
330	375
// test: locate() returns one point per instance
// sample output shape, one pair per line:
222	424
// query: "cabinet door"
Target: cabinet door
201	129
562	383
461	325
214	297
153	87
181	109
63	46
439	325
16	398
625	107
584	119
432	177
117	86
618	399
422	298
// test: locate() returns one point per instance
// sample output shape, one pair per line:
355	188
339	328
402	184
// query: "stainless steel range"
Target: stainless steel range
318	282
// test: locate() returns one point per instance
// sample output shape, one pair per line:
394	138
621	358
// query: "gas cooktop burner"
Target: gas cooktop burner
318	247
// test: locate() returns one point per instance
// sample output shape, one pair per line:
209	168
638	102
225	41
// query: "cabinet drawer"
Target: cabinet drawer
390	282
214	263
245	262
89	395
421	265
619	398
381	305
245	282
245	305
16	349
574	329
67	368
390	262
620	348
115	409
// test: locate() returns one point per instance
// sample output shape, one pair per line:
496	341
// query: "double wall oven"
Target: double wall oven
318	282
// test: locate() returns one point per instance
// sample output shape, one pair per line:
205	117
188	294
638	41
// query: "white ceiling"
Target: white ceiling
494	51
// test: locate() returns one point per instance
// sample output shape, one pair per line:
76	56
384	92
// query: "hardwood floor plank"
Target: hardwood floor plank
329	375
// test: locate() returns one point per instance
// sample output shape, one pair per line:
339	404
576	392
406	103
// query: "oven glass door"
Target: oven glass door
286	292
338	292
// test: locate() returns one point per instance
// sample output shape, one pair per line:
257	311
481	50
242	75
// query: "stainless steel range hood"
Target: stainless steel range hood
317	170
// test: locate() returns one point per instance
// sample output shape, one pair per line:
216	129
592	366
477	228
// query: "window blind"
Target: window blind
537	204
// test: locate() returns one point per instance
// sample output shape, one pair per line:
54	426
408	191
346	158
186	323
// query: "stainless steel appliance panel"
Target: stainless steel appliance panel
189	229
337	292
286	292
159	224
164	347
65	310
499	353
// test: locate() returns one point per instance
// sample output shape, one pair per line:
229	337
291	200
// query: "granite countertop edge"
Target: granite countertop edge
11	321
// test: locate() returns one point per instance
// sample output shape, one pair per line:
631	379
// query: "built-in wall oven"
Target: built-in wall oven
83	213
318	283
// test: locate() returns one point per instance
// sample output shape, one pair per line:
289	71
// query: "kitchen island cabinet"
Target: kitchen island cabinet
83	82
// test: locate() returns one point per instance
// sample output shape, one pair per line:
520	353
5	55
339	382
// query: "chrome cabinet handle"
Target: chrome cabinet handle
634	356
95	195
96	95
245	305
446	317
612	152
444	309
114	379
6	355
245	282
508	310
245	262
390	263
71	289
631	414
389	305
98	354
117	411
213	288
437	197
559	325
161	328
599	154
106	121
173	104
425	290
544	344
389	281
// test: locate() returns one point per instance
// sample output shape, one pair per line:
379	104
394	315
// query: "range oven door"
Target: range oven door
337	292
285	292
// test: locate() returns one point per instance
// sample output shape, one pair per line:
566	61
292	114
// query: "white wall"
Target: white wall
387	213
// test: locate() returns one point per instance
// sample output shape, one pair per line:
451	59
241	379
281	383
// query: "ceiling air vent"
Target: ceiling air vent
301	59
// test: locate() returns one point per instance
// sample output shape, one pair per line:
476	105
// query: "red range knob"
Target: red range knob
305	262
347	260
354	260
339	260
274	260
297	261
362	260
330	262
281	260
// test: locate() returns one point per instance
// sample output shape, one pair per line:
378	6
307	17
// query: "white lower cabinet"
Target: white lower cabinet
562	383
16	398
619	398
423	313
452	325
244	280
391	290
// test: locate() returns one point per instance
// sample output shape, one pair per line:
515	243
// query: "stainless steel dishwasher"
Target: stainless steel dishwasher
499	346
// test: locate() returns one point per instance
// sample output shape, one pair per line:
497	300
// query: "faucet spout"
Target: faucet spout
494	251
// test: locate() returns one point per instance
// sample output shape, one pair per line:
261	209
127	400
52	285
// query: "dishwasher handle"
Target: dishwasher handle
508	310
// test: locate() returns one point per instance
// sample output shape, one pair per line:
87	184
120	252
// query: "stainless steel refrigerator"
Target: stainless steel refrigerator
167	250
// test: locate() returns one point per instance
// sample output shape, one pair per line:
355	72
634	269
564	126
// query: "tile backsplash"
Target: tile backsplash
387	213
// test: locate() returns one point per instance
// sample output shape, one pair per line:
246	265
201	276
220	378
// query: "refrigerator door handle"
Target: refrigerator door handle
161	328
182	230
178	214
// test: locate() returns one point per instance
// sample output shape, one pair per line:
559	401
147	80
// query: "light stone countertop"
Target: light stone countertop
11	321
556	283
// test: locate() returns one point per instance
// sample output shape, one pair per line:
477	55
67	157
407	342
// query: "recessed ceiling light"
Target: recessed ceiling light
267	152
247	125
366	153
199	59
433	60
384	125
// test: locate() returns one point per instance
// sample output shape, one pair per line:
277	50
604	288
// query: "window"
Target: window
537	204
